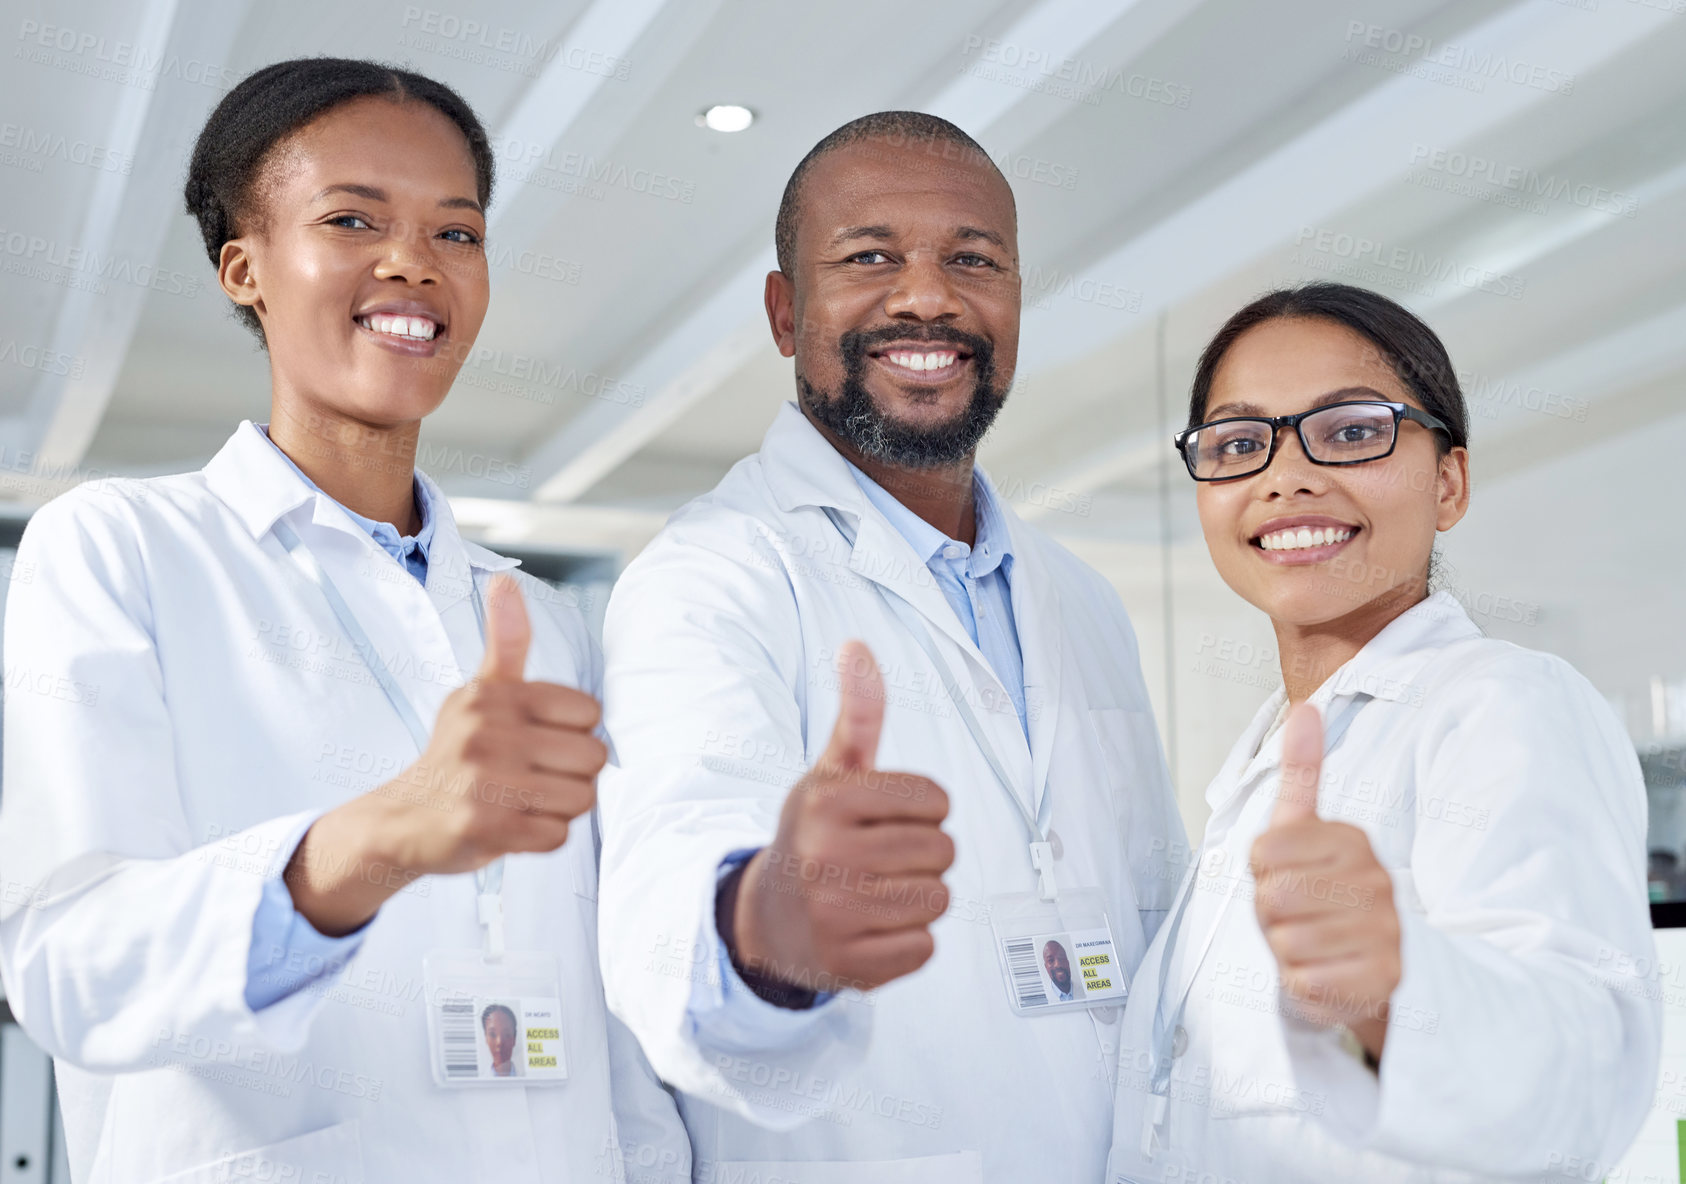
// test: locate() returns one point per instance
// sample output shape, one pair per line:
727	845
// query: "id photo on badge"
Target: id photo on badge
502	1050
1057	974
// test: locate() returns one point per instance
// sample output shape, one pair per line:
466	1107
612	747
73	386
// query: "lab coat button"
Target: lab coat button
1179	1041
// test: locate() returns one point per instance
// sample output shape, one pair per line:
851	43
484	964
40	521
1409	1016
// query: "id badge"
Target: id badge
494	1023
1056	955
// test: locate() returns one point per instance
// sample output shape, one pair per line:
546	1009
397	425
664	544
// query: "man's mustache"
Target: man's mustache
855	345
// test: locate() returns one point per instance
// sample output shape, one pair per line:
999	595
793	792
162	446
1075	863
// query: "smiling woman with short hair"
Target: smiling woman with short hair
257	947
1397	948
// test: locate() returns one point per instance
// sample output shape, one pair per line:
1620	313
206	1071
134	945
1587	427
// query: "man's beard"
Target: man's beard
851	413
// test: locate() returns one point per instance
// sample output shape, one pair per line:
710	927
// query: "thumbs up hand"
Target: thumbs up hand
845	894
509	764
1324	901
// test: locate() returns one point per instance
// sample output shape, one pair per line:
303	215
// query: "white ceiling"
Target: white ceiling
1287	140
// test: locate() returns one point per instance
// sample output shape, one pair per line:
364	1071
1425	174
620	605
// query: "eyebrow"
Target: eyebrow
374	194
849	233
854	232
1346	393
970	232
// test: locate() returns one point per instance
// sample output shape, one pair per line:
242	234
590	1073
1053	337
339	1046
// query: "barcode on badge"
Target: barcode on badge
456	1035
1021	967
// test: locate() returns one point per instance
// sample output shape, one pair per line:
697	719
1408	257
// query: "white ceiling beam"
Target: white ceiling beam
1270	203
127	219
503	522
727	327
650	36
1356	153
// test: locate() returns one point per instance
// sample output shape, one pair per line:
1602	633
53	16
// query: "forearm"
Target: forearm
348	865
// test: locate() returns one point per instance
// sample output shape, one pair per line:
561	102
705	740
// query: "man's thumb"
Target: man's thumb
860	709
1302	766
507	632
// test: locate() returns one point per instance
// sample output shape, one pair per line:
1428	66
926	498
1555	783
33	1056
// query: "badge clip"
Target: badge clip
491	920
1042	859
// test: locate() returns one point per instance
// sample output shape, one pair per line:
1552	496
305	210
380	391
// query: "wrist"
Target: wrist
341	871
733	917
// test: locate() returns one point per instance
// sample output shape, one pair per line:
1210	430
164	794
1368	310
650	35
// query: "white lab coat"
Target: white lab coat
179	697
721	690
1498	789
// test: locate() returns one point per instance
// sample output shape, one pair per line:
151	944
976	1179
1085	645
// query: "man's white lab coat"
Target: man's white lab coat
721	689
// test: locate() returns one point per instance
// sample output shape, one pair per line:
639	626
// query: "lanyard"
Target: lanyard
489	879
1166	1023
1036	826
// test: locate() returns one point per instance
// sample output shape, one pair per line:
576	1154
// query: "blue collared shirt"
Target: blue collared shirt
976	582
287	953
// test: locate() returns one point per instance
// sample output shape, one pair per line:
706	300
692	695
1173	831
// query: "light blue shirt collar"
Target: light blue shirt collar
993	547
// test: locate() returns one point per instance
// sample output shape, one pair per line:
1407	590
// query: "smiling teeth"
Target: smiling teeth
1294	540
409	328
912	361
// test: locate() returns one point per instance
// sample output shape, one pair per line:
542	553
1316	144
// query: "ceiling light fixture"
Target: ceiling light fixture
726	118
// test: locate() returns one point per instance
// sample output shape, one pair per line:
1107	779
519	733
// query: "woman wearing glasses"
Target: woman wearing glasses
1411	945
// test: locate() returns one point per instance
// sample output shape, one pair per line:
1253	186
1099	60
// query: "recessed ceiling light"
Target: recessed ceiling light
726	118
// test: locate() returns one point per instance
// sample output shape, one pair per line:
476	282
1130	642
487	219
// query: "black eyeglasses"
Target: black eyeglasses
1334	434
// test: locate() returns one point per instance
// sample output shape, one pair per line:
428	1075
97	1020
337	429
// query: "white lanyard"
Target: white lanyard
1036	826
489	879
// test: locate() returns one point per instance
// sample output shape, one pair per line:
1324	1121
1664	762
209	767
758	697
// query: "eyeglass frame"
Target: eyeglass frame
1278	422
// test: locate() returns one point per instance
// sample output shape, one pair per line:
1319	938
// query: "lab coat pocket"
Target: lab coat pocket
962	1167
332	1155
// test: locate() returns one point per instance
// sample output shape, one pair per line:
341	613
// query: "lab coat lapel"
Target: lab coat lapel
803	469
1389	667
883	556
455	568
405	624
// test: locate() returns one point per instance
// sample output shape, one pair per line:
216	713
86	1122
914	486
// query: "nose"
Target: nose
1290	470
408	257
923	291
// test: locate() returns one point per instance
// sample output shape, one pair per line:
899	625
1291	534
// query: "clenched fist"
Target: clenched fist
507	767
1324	900
845	894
